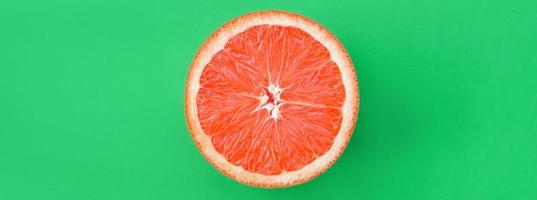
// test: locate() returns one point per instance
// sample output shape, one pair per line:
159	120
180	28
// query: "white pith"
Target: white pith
272	108
349	107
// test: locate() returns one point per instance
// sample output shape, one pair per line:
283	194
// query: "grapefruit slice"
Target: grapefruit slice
271	99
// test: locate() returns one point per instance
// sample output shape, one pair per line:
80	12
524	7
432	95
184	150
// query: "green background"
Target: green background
91	99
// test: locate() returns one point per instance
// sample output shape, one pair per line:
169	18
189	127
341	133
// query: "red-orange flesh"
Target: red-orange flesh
271	99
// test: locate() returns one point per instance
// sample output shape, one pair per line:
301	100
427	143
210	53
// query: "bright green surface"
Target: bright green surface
91	100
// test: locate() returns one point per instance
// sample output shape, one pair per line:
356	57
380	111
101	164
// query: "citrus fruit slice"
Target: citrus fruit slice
271	99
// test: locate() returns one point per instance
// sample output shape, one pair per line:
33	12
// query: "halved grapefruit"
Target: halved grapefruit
271	99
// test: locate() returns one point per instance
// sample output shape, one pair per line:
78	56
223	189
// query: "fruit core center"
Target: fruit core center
271	100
